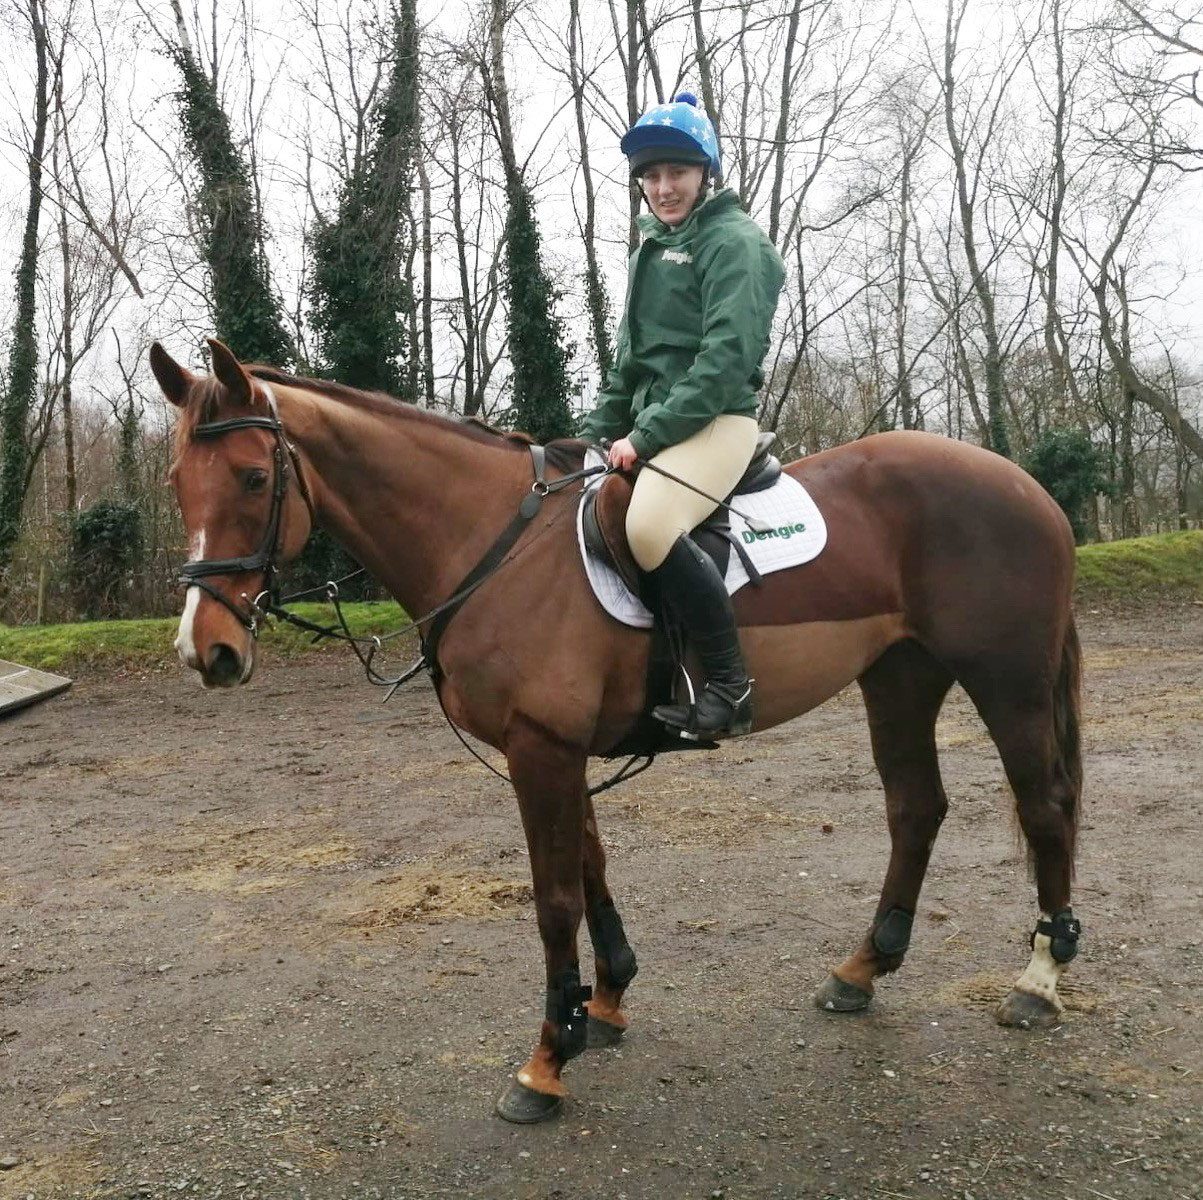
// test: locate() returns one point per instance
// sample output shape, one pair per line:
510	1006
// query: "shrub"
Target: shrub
106	550
1072	470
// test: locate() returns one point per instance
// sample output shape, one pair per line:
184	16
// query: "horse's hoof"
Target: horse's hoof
602	1034
525	1106
1022	1010
837	996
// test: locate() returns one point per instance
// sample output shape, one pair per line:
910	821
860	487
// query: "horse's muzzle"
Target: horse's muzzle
225	667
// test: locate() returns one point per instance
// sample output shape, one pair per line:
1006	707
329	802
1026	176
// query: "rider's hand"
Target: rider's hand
623	454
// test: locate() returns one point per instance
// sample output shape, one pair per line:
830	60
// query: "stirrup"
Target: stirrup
685	718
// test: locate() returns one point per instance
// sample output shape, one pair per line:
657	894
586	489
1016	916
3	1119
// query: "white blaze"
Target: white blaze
184	645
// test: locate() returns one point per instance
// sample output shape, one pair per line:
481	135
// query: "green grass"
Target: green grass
1165	564
1136	570
134	644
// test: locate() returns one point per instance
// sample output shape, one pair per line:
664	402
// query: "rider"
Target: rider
701	292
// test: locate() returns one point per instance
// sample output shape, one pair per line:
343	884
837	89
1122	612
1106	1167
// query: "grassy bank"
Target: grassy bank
1137	571
143	644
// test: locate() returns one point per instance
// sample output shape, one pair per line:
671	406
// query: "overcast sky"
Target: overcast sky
276	88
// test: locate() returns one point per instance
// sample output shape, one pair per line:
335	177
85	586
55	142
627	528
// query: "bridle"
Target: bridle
195	572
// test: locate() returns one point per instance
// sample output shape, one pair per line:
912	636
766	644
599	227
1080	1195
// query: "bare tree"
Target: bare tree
1143	153
595	288
427	306
957	128
21	381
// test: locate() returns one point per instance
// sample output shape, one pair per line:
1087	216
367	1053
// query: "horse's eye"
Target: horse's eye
254	480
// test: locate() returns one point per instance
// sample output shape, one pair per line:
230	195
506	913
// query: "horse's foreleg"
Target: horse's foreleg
903	692
614	959
549	777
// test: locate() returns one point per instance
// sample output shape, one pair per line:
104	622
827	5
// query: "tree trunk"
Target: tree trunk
906	398
779	138
499	93
1129	512
413	365
629	57
705	76
246	311
467	311
1061	378
1129	515
68	340
541	386
427	284
23	351
595	290
1146	393
997	439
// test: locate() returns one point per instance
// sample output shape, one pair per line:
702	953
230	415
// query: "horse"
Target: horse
945	563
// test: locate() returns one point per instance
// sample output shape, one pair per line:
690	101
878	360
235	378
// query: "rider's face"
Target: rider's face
672	189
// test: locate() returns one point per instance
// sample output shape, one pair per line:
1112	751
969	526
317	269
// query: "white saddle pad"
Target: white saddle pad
799	534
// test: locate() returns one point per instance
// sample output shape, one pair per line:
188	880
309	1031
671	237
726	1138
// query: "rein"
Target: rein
440	616
267	603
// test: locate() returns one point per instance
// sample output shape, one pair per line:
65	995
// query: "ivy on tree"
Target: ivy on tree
541	386
246	312
360	299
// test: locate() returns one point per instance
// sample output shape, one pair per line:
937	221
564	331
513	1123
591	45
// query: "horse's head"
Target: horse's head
244	504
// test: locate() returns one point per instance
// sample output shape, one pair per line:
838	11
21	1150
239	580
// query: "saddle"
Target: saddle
605	511
603	522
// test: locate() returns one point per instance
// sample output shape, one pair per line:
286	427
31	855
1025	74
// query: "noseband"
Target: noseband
195	572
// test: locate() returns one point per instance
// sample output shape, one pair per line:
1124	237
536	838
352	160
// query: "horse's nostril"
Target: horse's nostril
224	666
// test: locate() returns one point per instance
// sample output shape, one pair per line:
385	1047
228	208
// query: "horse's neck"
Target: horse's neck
415	501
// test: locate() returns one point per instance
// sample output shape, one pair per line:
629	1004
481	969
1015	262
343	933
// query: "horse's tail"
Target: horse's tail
1067	732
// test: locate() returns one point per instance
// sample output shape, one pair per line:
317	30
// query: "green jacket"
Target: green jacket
699	311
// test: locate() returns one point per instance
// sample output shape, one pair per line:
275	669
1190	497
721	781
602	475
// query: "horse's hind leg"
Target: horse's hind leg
1035	727
903	693
614	959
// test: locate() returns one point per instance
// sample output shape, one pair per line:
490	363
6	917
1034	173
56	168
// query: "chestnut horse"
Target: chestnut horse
945	563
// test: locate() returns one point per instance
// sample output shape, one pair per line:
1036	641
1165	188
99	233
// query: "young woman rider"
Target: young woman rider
701	292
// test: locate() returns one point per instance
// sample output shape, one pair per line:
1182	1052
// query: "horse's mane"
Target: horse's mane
565	454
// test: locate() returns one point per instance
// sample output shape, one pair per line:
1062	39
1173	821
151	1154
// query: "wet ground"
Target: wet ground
280	943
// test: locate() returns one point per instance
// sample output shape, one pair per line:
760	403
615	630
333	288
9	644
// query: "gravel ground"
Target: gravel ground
279	943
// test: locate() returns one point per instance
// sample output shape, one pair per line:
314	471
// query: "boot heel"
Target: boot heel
741	715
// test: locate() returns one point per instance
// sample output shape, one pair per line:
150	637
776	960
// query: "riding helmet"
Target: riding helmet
678	132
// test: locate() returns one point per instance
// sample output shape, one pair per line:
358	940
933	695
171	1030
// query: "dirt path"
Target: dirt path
279	943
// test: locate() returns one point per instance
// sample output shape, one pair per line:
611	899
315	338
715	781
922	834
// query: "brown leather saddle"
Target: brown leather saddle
605	511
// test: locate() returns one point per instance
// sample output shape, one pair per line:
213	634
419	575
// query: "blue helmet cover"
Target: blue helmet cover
680	130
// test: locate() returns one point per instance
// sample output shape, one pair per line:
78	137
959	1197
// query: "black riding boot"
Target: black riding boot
693	590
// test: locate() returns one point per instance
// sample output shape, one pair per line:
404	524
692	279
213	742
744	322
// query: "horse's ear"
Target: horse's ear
230	373
173	379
